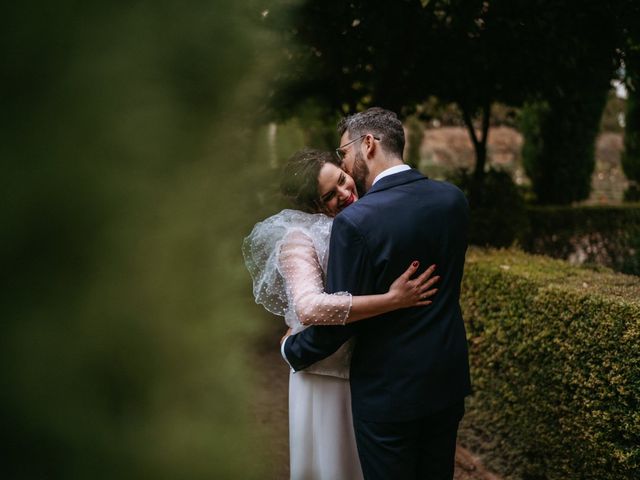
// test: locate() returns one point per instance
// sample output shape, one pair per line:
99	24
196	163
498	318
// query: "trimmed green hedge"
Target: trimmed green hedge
605	235
555	359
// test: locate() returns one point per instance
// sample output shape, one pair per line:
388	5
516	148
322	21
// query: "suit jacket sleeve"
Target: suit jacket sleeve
349	270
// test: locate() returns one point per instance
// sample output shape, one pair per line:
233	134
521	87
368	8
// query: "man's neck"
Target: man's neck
378	169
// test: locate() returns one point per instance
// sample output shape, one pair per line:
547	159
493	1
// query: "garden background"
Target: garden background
140	143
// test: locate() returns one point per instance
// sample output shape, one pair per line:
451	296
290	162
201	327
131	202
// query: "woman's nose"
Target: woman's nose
343	193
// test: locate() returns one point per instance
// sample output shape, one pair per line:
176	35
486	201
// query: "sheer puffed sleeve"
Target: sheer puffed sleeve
300	266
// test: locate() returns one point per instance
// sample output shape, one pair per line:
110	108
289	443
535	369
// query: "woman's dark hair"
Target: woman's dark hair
299	183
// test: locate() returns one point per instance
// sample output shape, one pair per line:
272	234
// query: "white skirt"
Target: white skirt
322	443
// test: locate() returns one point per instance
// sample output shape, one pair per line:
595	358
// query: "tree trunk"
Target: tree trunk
480	147
479	144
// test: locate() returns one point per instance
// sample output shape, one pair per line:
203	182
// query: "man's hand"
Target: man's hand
285	336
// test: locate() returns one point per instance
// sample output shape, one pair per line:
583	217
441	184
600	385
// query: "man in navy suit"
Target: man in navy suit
410	369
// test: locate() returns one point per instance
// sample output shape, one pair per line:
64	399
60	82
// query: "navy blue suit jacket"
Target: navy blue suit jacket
412	362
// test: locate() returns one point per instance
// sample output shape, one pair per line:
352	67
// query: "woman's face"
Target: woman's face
337	189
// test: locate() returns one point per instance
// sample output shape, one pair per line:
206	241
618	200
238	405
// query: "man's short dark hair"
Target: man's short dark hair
380	123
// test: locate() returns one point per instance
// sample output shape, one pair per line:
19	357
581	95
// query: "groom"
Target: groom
409	371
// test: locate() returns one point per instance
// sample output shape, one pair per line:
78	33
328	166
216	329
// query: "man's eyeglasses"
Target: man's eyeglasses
340	150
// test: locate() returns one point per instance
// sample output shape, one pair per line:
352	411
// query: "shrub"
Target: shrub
555	359
631	154
558	151
608	236
498	214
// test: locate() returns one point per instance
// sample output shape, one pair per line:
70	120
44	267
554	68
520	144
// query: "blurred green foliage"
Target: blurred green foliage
631	154
559	142
128	174
555	361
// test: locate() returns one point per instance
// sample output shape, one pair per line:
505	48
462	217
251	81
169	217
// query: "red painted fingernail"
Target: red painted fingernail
415	264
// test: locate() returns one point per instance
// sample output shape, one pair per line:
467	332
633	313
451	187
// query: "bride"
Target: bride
287	255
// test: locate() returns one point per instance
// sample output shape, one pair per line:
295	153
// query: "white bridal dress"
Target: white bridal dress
286	255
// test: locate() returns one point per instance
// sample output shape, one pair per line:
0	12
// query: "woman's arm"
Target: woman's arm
403	293
298	263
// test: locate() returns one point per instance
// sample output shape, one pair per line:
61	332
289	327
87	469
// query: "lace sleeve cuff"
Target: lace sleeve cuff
324	309
348	305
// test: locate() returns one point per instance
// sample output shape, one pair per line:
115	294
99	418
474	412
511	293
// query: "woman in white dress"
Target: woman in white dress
286	255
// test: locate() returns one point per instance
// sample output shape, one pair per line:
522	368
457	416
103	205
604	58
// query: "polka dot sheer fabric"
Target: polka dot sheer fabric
304	279
286	255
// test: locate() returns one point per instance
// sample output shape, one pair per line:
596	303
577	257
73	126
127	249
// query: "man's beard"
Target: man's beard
360	173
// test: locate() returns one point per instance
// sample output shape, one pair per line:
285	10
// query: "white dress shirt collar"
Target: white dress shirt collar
391	171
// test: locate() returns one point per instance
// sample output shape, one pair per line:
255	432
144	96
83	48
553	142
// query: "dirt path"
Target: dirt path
270	412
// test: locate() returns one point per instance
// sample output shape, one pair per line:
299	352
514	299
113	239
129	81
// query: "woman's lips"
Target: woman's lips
349	201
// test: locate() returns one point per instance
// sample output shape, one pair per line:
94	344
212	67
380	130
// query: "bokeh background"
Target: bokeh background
140	141
127	161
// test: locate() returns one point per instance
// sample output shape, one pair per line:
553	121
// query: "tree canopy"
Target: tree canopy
346	56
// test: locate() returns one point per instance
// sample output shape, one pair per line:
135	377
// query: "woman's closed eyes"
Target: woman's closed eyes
329	195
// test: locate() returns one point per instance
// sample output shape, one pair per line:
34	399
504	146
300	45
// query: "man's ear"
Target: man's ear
370	145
